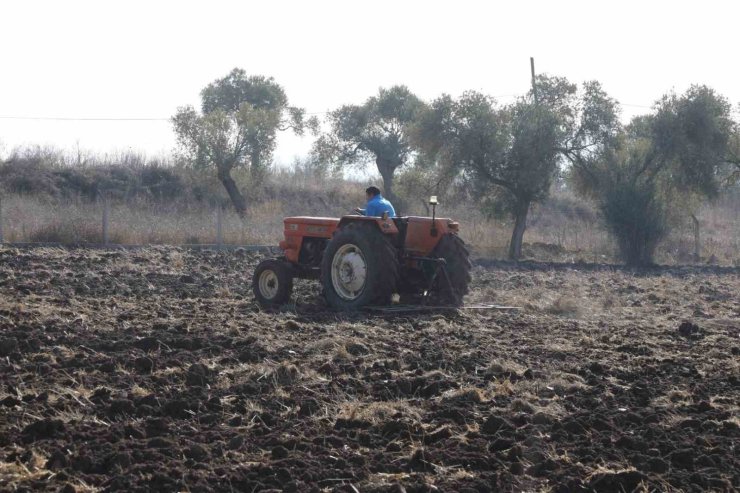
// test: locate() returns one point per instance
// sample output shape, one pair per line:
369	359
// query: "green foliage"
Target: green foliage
507	155
425	178
594	132
228	139
237	127
514	147
467	134
691	134
637	217
530	163
659	163
228	93
731	170
51	173
376	131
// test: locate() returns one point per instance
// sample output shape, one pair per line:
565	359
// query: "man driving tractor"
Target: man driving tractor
367	260
376	204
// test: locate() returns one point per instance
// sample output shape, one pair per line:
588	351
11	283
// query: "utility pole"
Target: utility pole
534	83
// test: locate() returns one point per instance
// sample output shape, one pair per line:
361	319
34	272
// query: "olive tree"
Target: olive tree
659	164
507	154
375	131
237	127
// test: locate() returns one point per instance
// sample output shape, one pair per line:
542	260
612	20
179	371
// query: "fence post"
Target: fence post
106	214
219	227
1	220
697	238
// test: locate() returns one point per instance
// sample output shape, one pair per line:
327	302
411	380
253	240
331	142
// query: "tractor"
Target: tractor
369	261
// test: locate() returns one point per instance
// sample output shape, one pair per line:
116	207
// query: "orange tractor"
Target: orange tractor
363	261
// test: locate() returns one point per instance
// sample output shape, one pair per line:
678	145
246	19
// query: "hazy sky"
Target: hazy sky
143	59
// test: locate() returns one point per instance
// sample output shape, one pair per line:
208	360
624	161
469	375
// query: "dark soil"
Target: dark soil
154	370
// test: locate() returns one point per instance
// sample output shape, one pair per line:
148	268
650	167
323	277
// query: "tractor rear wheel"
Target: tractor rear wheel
452	248
272	282
360	267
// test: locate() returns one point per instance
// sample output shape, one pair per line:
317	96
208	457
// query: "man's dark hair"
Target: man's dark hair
372	191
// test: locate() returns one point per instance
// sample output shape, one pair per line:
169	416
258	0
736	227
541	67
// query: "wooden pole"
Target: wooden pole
1	220
106	216
697	238
534	82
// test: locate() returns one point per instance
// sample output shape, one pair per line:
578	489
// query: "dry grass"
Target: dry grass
16	476
552	234
564	305
13	475
285	374
377	412
161	201
503	387
466	394
29	219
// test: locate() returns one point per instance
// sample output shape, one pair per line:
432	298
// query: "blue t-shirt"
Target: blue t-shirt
377	205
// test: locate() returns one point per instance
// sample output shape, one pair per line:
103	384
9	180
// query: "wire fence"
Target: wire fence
551	234
216	241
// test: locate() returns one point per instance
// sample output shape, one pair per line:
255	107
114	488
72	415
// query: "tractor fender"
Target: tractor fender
386	226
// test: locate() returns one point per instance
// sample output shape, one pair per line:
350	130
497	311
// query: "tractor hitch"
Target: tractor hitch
440	264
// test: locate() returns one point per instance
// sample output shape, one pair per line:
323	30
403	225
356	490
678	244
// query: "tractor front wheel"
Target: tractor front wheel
272	283
360	267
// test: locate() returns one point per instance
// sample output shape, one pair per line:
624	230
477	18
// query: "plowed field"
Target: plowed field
154	370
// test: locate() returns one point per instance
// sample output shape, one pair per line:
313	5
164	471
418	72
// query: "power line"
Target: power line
102	119
93	119
147	119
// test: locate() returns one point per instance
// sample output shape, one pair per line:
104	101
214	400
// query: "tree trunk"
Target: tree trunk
520	224
386	169
237	199
255	168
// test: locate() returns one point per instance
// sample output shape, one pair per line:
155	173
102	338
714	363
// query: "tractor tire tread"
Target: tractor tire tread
383	284
284	273
452	248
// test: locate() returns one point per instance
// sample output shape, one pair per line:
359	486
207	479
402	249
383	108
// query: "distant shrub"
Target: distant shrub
636	216
161	183
27	177
568	205
45	172
74	182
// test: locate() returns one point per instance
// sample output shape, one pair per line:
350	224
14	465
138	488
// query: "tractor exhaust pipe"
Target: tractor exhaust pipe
433	203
